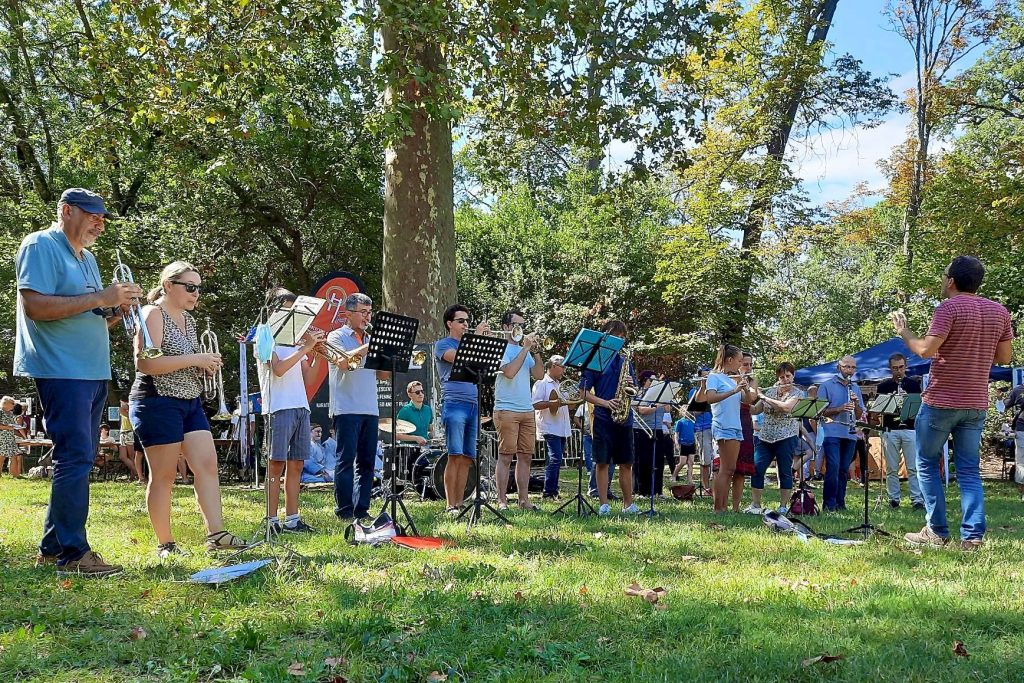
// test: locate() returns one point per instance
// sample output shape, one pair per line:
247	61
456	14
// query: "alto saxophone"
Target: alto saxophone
624	392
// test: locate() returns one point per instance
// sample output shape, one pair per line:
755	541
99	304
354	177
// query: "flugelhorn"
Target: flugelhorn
334	354
213	385
132	318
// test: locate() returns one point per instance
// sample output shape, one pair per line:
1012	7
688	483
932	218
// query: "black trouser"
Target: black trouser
643	446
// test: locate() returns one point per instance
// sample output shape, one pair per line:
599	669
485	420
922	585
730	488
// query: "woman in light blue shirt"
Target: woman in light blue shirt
724	393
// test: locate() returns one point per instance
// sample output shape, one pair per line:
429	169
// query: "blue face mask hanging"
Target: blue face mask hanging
264	342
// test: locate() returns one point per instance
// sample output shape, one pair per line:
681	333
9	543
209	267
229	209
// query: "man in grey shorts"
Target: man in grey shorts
283	388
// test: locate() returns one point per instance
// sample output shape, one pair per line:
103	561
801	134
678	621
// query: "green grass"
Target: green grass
542	600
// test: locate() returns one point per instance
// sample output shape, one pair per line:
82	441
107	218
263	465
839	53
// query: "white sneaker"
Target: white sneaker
783	510
604	510
752	510
631	510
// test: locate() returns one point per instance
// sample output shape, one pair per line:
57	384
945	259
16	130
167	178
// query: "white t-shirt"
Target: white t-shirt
555	425
286	391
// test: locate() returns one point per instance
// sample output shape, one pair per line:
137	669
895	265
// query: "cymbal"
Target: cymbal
401	426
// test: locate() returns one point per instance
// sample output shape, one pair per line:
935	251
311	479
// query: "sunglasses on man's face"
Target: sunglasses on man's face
417	391
464	321
189	287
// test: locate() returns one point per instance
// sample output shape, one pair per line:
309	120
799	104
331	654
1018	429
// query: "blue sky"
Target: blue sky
832	164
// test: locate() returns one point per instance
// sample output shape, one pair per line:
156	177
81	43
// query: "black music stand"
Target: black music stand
884	404
477	357
810	409
288	325
591	350
656	396
390	349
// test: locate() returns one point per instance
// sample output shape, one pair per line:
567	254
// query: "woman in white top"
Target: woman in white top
778	439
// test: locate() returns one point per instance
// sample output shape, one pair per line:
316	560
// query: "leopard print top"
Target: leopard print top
185	383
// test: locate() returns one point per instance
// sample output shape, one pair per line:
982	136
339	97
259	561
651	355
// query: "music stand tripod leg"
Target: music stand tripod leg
867	528
582	504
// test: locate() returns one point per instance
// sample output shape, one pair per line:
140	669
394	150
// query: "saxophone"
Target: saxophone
624	392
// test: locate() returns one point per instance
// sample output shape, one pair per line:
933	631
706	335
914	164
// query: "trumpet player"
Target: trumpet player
513	410
166	410
845	406
354	409
552	422
63	344
283	390
613	442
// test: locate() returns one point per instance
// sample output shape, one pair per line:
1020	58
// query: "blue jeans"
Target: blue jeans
73	409
357	449
779	451
838	457
556	452
933	427
588	459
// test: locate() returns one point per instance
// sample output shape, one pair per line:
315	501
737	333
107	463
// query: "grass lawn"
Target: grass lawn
542	600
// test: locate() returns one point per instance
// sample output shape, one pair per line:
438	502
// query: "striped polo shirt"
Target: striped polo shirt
972	326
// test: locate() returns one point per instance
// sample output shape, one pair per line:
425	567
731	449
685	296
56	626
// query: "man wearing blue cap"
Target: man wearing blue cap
63	344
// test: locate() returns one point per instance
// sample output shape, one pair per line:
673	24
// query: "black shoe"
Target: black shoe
612	496
917	506
300	527
549	496
894	504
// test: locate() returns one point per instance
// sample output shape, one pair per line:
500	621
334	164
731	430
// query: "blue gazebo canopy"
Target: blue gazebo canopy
873	365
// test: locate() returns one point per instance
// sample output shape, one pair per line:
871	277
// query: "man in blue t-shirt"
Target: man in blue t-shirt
460	413
845	407
62	343
684	440
613	442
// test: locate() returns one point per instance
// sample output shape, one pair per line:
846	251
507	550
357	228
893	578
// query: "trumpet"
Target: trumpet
132	318
334	354
518	334
213	385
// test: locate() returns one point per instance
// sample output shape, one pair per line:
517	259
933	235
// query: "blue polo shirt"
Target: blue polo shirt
71	348
703	420
603	385
514	394
353	392
836	393
464	392
684	431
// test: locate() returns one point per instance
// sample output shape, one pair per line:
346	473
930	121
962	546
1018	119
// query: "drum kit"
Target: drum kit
420	466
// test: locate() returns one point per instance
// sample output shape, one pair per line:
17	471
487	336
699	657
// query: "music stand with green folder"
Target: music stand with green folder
808	408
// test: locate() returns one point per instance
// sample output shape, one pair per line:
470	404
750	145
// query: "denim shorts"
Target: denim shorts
289	434
162	420
461	421
724	433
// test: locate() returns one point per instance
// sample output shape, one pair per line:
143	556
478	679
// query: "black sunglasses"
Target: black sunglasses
464	321
189	287
418	391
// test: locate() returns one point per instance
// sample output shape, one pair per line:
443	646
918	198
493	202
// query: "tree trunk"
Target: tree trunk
819	20
419	203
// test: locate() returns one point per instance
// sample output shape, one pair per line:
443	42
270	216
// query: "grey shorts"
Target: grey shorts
289	434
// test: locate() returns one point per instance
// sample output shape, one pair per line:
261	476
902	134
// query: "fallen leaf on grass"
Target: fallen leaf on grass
634	589
145	593
448	587
821	659
959	650
716	526
689	558
436	677
332	662
297	669
519	596
134	541
138	633
853	582
599	534
66	584
584	590
661	605
476	595
601	640
651	595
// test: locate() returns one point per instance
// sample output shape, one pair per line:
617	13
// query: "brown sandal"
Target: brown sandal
224	540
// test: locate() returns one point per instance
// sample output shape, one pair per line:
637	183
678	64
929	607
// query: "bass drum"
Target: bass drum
437	478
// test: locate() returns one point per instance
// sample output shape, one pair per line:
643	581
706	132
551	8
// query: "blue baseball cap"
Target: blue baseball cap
85	200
